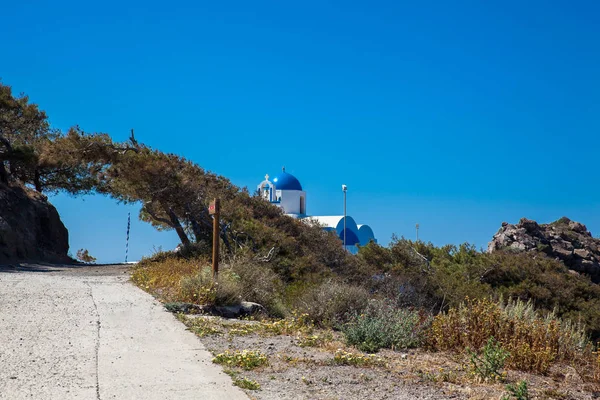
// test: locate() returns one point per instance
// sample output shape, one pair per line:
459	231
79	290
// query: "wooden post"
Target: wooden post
215	210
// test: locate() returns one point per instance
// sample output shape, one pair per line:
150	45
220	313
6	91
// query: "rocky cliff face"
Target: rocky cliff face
566	240
30	228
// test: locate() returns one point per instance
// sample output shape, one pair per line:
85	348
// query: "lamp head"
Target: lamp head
344	188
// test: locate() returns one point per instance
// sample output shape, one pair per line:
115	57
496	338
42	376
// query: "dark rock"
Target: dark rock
30	227
567	241
529	225
243	309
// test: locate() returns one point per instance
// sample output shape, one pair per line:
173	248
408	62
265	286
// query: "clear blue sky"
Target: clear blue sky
456	115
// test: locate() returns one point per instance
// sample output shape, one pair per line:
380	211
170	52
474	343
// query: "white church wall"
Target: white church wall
290	200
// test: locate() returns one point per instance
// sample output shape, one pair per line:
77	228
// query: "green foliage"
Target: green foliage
200	288
199	325
488	365
245	359
342	357
423	275
384	326
518	392
246	383
561	221
34	154
328	303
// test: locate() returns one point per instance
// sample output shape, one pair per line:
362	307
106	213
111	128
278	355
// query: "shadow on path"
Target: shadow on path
91	269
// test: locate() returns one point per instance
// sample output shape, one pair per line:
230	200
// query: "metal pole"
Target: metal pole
215	252
417	232
344	189
128	226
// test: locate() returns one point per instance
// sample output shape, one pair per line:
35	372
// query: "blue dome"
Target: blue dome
285	181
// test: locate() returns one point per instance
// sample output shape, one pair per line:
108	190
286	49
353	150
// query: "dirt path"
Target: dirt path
87	333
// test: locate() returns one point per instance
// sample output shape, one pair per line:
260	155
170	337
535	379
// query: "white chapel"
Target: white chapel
285	191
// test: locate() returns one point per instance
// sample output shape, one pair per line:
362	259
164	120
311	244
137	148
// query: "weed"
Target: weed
427	376
554	394
200	326
534	342
448	376
245	359
384	326
297	323
241	329
342	357
230	372
84	256
329	302
314	340
518	392
246	383
487	366
199	288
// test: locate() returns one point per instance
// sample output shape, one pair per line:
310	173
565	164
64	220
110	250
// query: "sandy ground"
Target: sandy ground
298	371
77	332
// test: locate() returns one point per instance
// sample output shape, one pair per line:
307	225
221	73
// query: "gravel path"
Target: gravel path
87	333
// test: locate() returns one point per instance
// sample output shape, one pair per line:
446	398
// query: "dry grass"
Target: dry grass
534	342
164	278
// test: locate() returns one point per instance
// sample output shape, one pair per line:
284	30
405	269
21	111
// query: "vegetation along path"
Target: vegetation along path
87	333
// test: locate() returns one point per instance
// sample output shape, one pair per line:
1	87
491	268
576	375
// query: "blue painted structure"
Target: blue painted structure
285	181
286	192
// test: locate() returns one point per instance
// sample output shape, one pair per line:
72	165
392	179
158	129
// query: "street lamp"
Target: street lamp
344	189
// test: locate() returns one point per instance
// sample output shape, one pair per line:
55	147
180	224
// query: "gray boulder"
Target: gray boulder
565	240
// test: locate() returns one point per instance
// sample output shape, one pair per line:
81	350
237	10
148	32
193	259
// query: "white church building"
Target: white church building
285	191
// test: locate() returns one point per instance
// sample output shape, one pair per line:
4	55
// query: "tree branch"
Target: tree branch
156	217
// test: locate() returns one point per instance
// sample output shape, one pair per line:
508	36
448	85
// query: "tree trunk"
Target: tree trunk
3	173
178	228
36	181
197	230
225	237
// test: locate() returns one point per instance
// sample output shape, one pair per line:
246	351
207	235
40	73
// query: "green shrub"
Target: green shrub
330	302
488	365
199	288
381	325
519	392
259	283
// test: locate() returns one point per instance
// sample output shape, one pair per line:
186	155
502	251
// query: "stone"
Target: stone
562	252
243	309
579	228
567	241
30	227
583	253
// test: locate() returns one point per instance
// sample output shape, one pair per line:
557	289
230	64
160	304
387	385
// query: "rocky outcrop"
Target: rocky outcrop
30	228
566	240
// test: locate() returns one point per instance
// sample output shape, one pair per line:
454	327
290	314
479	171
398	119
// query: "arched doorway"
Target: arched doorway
302	205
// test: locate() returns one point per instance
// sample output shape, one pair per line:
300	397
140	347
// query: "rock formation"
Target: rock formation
30	227
566	240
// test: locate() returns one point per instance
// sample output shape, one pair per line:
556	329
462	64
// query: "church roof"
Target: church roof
285	181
